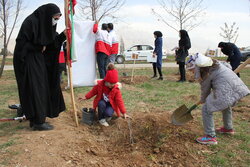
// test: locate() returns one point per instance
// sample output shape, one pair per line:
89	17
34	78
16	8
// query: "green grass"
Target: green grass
152	96
8	60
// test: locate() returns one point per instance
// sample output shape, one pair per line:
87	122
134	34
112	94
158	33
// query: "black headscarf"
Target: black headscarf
158	34
184	41
226	47
44	32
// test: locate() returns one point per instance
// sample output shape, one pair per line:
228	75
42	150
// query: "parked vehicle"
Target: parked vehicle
143	52
245	53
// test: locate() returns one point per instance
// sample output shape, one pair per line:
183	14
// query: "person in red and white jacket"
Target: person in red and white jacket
108	97
115	43
102	47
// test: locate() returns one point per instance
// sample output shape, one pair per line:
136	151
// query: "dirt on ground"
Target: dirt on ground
134	80
146	140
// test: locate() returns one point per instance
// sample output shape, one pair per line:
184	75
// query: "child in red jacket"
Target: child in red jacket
108	97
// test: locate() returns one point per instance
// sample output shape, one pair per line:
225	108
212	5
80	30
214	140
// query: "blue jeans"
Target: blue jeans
104	109
102	62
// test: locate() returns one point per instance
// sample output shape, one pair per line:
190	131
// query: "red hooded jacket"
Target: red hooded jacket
115	97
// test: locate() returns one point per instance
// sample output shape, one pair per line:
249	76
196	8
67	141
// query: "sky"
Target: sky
136	23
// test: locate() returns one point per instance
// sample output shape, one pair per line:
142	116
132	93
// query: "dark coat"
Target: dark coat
184	46
158	51
30	64
233	53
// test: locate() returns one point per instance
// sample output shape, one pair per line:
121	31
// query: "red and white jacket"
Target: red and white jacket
103	40
115	43
115	97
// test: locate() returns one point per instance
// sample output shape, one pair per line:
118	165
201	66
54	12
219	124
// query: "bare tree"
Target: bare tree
183	14
96	10
9	13
122	46
229	32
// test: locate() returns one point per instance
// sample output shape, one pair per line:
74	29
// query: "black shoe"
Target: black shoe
160	78
181	80
154	76
31	124
44	126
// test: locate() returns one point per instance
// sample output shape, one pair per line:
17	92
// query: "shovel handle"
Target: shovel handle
194	106
242	66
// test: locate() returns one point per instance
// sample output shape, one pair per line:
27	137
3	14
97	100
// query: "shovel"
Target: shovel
20	119
183	115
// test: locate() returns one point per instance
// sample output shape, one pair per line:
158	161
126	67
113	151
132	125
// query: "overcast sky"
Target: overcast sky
137	23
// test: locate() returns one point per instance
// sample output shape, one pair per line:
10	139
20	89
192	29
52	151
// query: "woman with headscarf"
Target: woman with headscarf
158	53
233	53
182	53
39	96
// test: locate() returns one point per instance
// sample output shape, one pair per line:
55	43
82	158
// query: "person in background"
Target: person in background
182	53
233	53
108	97
220	90
115	43
102	48
39	96
158	54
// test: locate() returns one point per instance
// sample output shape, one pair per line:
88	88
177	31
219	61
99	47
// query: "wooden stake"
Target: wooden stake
132	76
67	23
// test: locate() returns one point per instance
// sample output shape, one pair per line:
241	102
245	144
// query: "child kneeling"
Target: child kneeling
108	96
221	89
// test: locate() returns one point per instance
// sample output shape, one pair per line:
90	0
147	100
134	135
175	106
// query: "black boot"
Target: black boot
160	73
44	126
154	68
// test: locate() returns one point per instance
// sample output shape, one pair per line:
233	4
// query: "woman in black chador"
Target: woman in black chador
36	66
182	53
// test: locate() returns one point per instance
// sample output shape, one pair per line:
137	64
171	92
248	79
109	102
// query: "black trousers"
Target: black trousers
182	71
158	68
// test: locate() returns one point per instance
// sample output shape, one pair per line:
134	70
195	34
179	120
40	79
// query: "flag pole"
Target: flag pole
68	28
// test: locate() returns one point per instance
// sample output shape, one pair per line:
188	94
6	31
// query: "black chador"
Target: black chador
36	68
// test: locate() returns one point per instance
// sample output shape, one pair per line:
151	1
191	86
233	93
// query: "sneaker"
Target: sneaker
108	119
225	131
103	122
207	140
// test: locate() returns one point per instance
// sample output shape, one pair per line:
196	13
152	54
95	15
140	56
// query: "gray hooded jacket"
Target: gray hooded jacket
222	88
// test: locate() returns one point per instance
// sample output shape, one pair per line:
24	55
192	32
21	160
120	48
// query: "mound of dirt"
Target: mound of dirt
146	140
135	80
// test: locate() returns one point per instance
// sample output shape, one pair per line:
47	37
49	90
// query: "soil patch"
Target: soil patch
147	140
135	80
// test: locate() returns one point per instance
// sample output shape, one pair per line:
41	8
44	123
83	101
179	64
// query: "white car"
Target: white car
143	52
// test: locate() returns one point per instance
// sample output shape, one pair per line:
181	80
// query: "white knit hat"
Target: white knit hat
203	61
199	60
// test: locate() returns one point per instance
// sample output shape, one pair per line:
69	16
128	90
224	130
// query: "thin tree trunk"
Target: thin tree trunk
2	65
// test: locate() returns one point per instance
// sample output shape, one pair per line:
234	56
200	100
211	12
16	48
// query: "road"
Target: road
10	67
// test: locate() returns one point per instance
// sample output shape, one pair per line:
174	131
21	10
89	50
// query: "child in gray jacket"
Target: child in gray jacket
221	89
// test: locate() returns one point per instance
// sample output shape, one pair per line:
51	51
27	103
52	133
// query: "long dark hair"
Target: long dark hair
184	42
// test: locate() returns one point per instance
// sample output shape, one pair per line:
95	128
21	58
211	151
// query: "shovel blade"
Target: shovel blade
181	115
